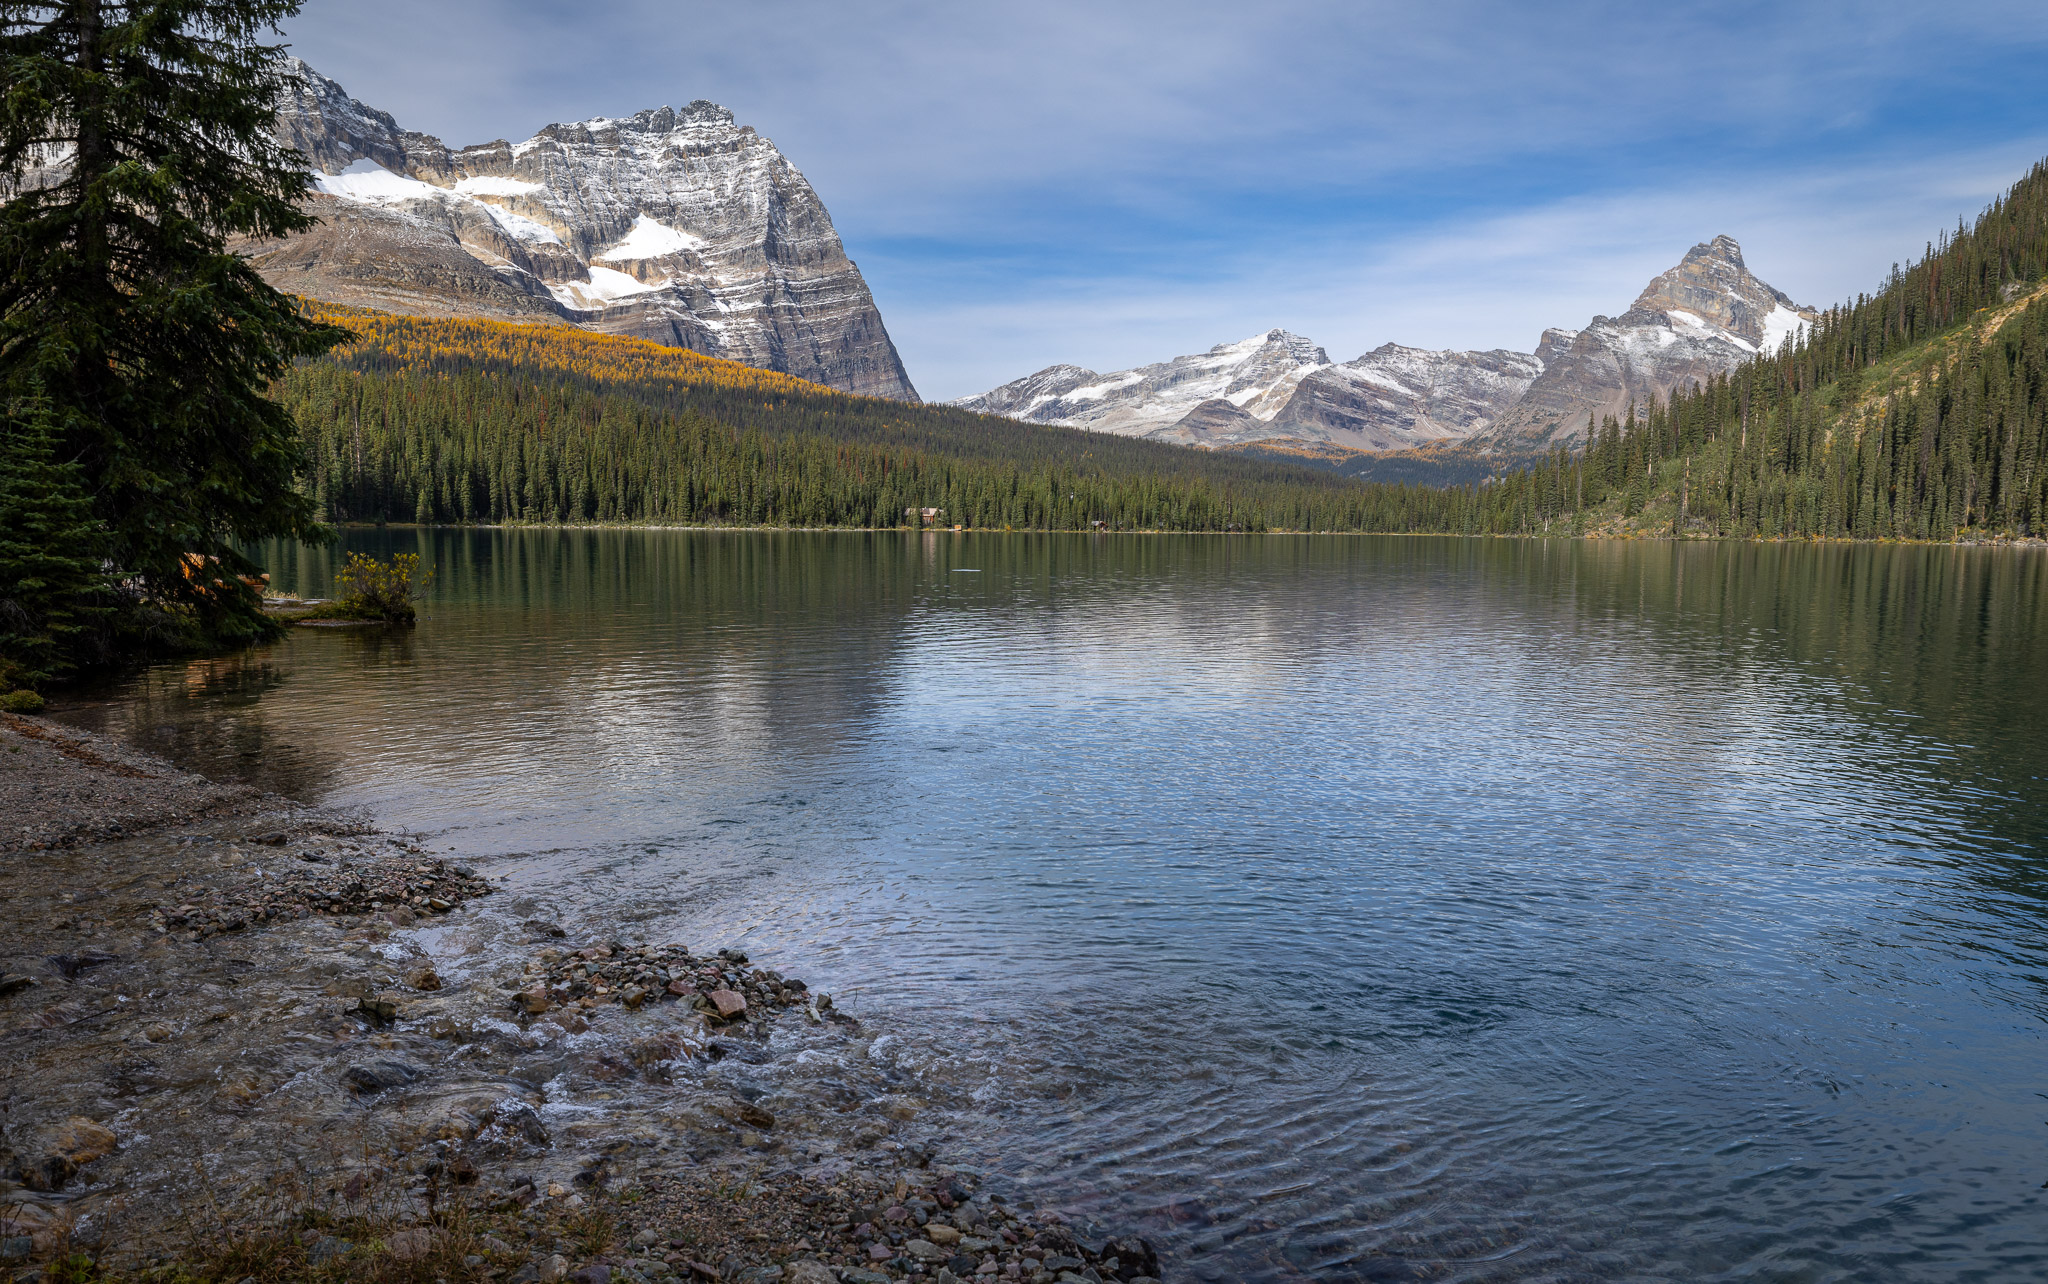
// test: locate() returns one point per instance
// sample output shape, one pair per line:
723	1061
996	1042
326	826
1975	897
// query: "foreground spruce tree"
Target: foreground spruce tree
134	143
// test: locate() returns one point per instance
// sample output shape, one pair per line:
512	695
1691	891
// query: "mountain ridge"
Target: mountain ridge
1701	317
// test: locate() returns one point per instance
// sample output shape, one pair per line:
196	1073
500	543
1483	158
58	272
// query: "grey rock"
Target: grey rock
16	1248
376	1076
926	1251
327	1248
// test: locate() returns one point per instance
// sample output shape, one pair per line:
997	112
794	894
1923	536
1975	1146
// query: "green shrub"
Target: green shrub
367	589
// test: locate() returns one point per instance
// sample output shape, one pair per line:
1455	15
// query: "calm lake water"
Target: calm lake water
1326	908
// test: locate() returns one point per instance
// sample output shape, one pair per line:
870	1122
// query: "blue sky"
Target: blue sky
1114	183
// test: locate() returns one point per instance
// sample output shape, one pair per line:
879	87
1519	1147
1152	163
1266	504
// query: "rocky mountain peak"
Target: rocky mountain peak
1699	319
676	226
1723	249
1287	344
1712	285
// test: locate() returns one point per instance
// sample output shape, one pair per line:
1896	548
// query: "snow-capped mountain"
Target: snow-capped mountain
1701	318
1278	385
1395	397
1255	377
675	226
1704	316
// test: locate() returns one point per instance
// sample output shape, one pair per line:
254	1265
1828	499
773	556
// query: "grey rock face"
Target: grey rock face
1700	319
680	227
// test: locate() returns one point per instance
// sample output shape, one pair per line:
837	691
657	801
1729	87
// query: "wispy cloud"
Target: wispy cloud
1115	183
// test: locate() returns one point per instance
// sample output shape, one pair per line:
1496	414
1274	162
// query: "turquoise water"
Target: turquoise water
1326	907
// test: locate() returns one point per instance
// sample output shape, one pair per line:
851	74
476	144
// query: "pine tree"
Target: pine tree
53	586
134	142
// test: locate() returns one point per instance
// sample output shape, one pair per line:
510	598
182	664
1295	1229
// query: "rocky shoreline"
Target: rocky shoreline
240	1040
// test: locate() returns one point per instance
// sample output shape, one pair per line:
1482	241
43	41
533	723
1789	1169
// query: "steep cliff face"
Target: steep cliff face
676	226
1701	318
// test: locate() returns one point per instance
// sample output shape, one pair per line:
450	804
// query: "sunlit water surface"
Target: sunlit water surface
1327	908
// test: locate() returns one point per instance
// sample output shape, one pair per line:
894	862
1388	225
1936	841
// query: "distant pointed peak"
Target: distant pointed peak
1301	350
1724	249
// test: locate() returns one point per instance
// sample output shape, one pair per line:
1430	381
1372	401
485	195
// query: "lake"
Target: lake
1322	907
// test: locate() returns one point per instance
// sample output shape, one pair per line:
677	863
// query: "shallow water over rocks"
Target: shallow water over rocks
1328	907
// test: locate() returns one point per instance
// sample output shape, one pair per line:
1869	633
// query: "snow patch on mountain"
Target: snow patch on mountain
651	240
366	180
605	287
1782	324
497	185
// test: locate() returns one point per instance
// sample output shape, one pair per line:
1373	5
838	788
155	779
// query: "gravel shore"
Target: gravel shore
60	786
250	1041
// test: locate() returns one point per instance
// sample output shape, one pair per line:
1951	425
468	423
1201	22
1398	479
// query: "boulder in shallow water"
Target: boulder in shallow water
728	1002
